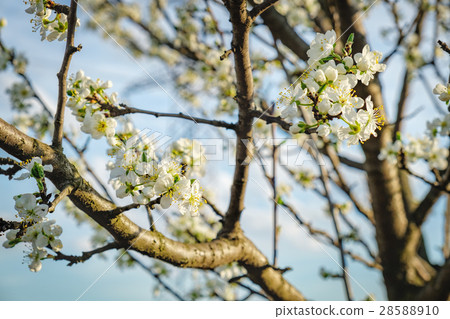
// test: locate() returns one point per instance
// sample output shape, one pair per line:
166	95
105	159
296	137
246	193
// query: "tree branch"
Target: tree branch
444	46
213	207
62	75
85	255
157	277
260	8
280	27
123	109
328	239
58	8
65	192
6	225
244	97
439	287
269	119
220	251
10	172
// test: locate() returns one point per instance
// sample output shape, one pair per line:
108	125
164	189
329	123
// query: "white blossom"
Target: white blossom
321	46
368	64
443	92
29	209
36	164
98	125
19	95
390	152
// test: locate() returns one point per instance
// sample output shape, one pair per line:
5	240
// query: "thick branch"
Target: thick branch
244	97
150	243
280	27
439	287
397	239
261	8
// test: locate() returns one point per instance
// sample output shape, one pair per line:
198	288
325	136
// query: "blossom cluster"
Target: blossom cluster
428	147
50	28
20	93
137	172
325	91
191	154
17	60
86	97
38	230
304	14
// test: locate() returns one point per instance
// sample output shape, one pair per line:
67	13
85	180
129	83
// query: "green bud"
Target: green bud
37	171
3	23
303	126
350	38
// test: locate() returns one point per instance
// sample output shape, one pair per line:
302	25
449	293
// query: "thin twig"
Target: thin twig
123	109
213	207
429	90
11	171
65	192
444	46
122	209
334	216
6	225
271	119
85	255
156	276
226	54
402	35
443	187
327	237
335	162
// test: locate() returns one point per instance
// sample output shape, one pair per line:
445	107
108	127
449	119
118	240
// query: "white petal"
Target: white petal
166	201
23	176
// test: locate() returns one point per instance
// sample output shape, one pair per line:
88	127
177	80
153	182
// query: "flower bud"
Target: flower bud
294	129
320	76
348	61
331	74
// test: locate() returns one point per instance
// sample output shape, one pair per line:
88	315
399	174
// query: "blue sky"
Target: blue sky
105	60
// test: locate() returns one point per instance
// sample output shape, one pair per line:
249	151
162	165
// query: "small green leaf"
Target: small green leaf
350	38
